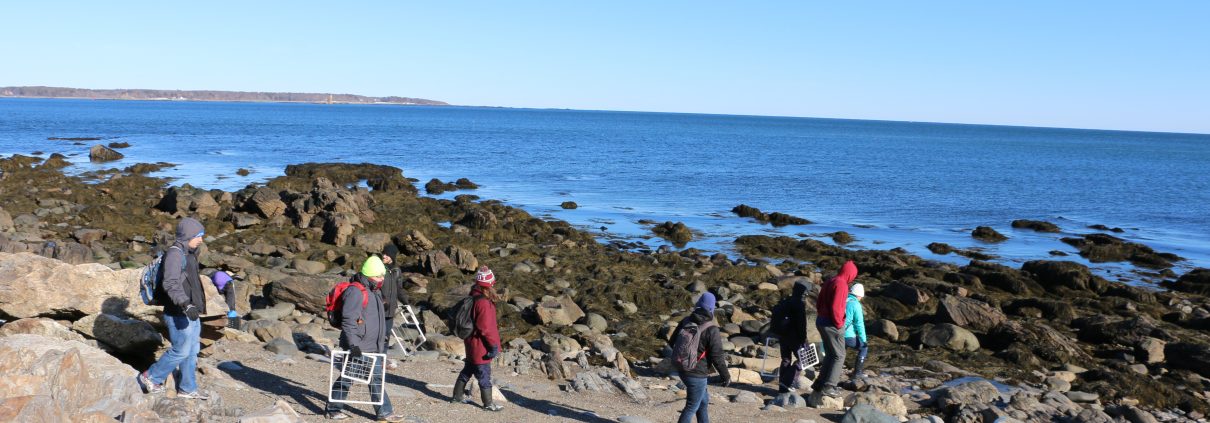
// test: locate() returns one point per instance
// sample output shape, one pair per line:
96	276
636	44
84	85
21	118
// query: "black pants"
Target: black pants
787	374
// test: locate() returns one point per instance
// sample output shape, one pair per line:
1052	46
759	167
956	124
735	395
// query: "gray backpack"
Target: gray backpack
688	340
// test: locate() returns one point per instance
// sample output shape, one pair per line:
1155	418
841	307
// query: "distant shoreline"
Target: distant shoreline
191	100
208	96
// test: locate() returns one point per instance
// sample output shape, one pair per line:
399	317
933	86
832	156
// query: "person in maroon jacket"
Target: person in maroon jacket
830	309
484	343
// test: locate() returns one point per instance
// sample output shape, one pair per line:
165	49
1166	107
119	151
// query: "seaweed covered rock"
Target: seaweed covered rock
1054	274
100	153
186	200
1102	248
676	232
379	177
1196	281
1036	225
987	234
775	218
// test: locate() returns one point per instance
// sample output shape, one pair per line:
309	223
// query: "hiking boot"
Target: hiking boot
148	386
393	418
488	404
197	395
832	391
338	416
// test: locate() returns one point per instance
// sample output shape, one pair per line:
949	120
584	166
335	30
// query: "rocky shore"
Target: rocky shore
1046	341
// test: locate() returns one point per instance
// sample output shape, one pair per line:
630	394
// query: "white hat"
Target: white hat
858	290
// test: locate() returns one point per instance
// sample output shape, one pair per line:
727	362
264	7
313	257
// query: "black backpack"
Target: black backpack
462	317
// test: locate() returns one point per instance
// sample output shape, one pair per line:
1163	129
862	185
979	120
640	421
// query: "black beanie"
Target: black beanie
390	251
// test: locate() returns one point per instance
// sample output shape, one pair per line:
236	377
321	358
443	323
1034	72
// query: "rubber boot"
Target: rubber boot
859	370
459	392
488	403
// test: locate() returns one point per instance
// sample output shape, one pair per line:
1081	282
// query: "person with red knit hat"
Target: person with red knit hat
484	343
830	308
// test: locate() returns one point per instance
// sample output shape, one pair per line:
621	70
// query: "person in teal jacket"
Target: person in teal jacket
854	329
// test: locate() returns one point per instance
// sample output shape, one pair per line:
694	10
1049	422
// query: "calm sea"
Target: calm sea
890	184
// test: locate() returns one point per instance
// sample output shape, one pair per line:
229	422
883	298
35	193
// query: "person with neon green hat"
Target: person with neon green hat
363	330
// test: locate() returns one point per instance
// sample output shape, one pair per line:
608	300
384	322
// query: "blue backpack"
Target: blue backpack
153	276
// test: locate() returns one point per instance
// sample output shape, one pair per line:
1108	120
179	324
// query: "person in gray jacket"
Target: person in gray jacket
184	303
363	329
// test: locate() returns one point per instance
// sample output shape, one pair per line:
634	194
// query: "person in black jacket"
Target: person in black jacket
711	345
393	294
790	326
184	303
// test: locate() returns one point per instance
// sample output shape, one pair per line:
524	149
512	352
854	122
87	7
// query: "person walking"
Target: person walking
184	303
789	323
830	307
226	286
363	330
707	352
854	330
484	343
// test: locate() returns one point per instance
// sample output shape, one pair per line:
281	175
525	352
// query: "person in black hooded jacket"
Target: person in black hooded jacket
711	346
790	325
393	294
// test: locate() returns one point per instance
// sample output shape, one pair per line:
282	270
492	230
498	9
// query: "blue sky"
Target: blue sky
1085	64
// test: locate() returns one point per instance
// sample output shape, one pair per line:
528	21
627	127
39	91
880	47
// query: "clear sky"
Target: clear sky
1085	64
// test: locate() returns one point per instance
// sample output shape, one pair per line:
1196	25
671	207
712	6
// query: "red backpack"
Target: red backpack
335	301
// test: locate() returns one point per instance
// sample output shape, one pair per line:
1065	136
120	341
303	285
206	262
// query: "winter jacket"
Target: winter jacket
854	320
794	310
711	342
363	327
393	293
831	301
486	333
182	287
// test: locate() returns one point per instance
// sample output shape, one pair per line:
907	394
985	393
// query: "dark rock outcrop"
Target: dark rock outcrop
1101	248
1036	225
100	153
987	234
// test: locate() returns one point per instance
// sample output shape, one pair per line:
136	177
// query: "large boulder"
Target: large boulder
906	294
987	234
188	201
307	293
372	243
413	242
41	327
560	311
64	380
266	202
99	153
867	413
462	258
975	392
951	337
128	336
969	313
38	286
1197	281
1037	225
431	262
881	401
559	346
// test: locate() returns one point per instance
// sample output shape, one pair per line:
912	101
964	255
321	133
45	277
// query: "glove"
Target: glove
725	382
355	352
491	352
191	312
232	314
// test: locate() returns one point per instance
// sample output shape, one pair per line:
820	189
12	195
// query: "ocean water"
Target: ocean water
890	184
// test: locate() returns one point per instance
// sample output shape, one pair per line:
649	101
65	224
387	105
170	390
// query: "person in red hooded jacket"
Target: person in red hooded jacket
484	343
830	309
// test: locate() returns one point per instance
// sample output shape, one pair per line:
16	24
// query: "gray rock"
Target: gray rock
633	419
823	402
884	402
974	392
125	335
865	413
951	337
746	397
789	400
595	322
885	329
309	267
277	312
969	313
282	346
1079	396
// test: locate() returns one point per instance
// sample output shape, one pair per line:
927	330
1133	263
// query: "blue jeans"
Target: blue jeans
696	400
861	352
340	391
181	359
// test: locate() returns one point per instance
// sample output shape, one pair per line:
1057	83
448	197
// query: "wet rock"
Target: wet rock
951	337
867	413
463	183
76	379
116	145
1197	281
1036	225
560	311
841	237
41	327
145	168
436	187
906	294
969	313
775	218
308	293
126	335
1101	248
1054	274
987	234
55	161
569	205
372	243
100	153
676	232
940	248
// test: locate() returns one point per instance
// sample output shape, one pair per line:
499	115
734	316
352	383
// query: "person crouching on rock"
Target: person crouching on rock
363	330
831	308
226	286
696	346
484	343
854	330
184	303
